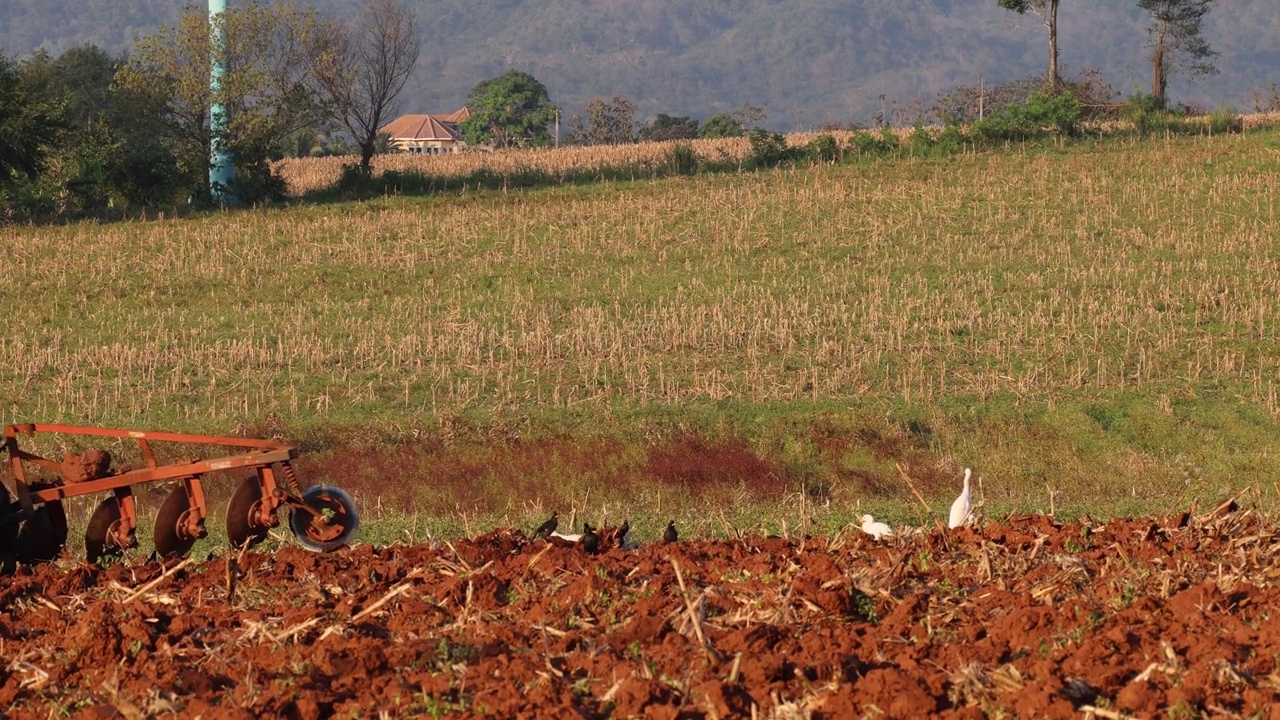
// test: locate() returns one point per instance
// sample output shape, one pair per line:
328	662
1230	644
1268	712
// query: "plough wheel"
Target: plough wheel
42	537
8	531
239	527
333	526
171	538
96	545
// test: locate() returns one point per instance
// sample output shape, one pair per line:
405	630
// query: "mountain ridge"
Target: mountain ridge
807	63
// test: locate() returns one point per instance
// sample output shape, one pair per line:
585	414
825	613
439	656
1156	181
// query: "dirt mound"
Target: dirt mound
1023	618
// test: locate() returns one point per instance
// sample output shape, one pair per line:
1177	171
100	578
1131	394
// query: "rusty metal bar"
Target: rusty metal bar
11	431
261	453
165	472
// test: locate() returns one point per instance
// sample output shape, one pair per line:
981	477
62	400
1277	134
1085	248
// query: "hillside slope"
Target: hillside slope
806	62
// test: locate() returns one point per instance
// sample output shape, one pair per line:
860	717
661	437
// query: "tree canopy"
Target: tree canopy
666	127
721	126
510	110
609	122
272	55
29	126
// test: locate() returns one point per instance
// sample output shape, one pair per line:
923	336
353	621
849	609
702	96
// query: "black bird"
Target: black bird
620	535
546	528
590	540
669	535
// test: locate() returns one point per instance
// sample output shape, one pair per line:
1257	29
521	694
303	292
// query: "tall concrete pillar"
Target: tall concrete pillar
222	169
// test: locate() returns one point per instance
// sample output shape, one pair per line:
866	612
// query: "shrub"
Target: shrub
354	180
889	140
863	143
1150	115
1141	102
769	149
1040	114
920	141
1225	120
951	139
683	159
965	103
824	149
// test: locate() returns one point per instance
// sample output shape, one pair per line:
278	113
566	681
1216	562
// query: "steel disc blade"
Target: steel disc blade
96	535
337	520
171	540
239	527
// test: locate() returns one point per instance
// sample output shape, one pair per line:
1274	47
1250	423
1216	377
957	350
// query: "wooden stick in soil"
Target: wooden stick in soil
395	590
1090	710
151	585
737	666
911	485
711	653
233	571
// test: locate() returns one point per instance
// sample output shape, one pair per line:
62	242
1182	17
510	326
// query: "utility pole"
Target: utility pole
982	96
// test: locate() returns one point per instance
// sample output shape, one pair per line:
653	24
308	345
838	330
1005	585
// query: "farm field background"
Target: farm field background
1090	327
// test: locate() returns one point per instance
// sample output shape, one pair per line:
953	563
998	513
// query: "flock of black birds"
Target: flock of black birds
590	538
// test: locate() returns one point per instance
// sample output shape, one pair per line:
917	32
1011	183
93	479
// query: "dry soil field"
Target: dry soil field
1168	617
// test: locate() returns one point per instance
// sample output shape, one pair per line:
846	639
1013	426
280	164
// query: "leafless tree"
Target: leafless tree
374	59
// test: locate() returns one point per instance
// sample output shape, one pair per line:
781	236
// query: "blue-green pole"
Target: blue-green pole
222	169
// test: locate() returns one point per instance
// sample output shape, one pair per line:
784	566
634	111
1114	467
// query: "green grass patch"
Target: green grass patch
1091	320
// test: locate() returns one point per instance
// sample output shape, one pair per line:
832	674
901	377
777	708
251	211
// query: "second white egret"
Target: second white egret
962	506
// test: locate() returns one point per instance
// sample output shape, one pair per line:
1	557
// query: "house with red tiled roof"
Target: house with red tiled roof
430	134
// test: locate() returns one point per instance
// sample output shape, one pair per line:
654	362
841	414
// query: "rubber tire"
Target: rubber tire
95	534
325	497
169	544
242	500
42	538
9	522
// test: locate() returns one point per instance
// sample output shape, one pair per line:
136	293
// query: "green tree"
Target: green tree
720	126
373	60
1047	10
1177	41
609	122
666	127
510	110
110	154
30	125
272	55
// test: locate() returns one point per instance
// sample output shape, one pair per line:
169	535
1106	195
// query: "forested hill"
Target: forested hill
806	61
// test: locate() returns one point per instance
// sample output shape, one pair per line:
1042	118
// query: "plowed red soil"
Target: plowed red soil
1021	618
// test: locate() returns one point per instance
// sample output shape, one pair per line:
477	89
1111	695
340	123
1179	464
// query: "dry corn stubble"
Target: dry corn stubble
1145	267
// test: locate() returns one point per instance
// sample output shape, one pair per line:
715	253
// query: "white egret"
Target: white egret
875	529
961	508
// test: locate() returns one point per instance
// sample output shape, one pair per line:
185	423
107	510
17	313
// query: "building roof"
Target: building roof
427	127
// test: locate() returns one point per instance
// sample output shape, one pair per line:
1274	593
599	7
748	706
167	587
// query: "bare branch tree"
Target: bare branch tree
370	68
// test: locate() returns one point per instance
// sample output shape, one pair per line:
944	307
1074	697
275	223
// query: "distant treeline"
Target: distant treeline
90	134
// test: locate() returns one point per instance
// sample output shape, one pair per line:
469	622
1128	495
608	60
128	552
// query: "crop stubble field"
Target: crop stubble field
1103	313
1091	328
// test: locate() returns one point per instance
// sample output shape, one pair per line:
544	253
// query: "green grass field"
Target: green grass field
1092	327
